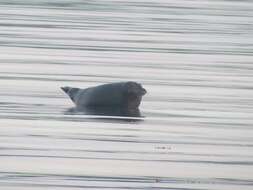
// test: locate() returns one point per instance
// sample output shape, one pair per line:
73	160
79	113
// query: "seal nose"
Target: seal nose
143	91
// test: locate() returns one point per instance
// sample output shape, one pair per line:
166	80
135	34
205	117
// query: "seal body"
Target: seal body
122	94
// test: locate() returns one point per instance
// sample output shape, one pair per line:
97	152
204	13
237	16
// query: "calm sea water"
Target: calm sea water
194	57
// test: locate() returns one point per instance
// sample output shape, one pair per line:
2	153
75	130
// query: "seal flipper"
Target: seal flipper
71	92
65	89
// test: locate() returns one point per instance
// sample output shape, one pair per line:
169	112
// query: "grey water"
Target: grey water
195	59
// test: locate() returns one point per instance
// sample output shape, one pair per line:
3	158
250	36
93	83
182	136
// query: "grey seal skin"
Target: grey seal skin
126	95
106	111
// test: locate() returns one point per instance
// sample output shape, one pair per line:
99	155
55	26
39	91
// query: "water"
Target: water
193	57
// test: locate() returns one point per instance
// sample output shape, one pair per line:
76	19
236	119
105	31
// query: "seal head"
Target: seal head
134	95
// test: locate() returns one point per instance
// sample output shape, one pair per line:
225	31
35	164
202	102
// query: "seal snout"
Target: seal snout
143	91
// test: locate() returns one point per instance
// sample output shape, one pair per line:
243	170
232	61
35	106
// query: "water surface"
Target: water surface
193	57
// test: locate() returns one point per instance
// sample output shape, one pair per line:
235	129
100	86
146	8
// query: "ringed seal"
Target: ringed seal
125	95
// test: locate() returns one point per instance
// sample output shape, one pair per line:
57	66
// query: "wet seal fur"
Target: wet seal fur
121	95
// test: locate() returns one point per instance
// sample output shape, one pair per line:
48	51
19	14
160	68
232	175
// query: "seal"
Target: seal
126	95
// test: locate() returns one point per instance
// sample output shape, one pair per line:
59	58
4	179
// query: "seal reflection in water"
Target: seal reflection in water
117	99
